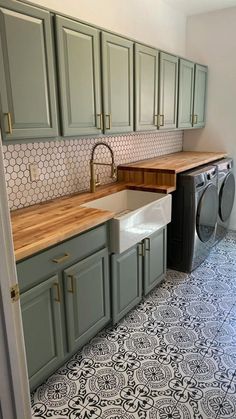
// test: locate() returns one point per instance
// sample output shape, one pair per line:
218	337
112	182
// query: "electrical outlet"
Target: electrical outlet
34	172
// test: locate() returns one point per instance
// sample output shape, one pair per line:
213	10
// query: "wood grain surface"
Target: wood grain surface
43	225
40	226
176	162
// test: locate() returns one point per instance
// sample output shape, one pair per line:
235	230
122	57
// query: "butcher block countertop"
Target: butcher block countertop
43	225
176	162
160	173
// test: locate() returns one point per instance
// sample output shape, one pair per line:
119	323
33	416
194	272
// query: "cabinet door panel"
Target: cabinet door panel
146	88
186	85
154	260
41	315
27	81
168	91
79	74
200	95
117	56
87	298
126	282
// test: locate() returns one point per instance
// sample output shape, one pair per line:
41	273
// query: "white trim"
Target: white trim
11	311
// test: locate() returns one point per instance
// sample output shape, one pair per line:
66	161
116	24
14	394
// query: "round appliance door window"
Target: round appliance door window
226	197
207	213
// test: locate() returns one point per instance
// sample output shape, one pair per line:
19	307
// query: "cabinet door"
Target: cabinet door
199	104
186	85
28	102
117	58
79	77
41	316
168	91
154	260
126	281
87	295
146	88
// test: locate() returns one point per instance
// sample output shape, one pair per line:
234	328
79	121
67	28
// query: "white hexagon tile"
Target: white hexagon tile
64	163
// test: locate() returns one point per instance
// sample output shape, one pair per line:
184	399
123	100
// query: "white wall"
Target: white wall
211	40
149	21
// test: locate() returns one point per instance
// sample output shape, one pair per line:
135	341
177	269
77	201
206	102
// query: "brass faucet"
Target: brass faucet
93	182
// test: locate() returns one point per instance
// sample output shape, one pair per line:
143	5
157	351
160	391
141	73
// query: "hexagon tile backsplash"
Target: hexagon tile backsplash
64	163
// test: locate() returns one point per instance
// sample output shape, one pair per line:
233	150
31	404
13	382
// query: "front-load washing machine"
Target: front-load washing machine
191	233
226	193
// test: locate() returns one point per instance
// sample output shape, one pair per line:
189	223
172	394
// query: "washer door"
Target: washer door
207	212
226	197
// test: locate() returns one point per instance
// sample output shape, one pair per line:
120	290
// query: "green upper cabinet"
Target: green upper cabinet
186	86
199	103
79	77
117	60
27	84
146	88
168	91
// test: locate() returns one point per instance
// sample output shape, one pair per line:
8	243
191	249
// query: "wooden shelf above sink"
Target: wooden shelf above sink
160	173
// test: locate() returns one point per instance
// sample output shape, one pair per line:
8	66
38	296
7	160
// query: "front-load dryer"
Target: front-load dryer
226	193
191	233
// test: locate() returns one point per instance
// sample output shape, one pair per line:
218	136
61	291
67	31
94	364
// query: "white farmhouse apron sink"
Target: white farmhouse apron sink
138	214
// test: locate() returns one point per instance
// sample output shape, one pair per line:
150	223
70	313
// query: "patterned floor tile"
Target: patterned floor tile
232	312
167	408
172	357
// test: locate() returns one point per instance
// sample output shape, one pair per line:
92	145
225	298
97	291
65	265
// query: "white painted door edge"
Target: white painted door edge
17	404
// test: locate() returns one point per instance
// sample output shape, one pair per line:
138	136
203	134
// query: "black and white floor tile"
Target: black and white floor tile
173	357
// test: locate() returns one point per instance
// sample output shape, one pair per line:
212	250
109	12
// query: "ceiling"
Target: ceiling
192	7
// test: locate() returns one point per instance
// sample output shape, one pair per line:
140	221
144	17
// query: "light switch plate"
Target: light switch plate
34	172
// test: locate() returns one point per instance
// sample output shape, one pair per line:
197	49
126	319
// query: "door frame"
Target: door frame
15	405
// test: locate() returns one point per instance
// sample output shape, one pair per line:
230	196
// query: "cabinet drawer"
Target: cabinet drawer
34	270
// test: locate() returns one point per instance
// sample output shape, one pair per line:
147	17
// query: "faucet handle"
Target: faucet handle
97	183
113	171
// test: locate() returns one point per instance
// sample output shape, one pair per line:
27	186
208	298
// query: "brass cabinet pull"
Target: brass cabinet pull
147	244
108	115
156	120
161	120
58	297
140	249
100	116
9	122
195	119
62	258
72	284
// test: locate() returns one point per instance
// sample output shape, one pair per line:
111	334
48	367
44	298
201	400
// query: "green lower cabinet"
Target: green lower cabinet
87	298
126	282
41	316
136	272
154	260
